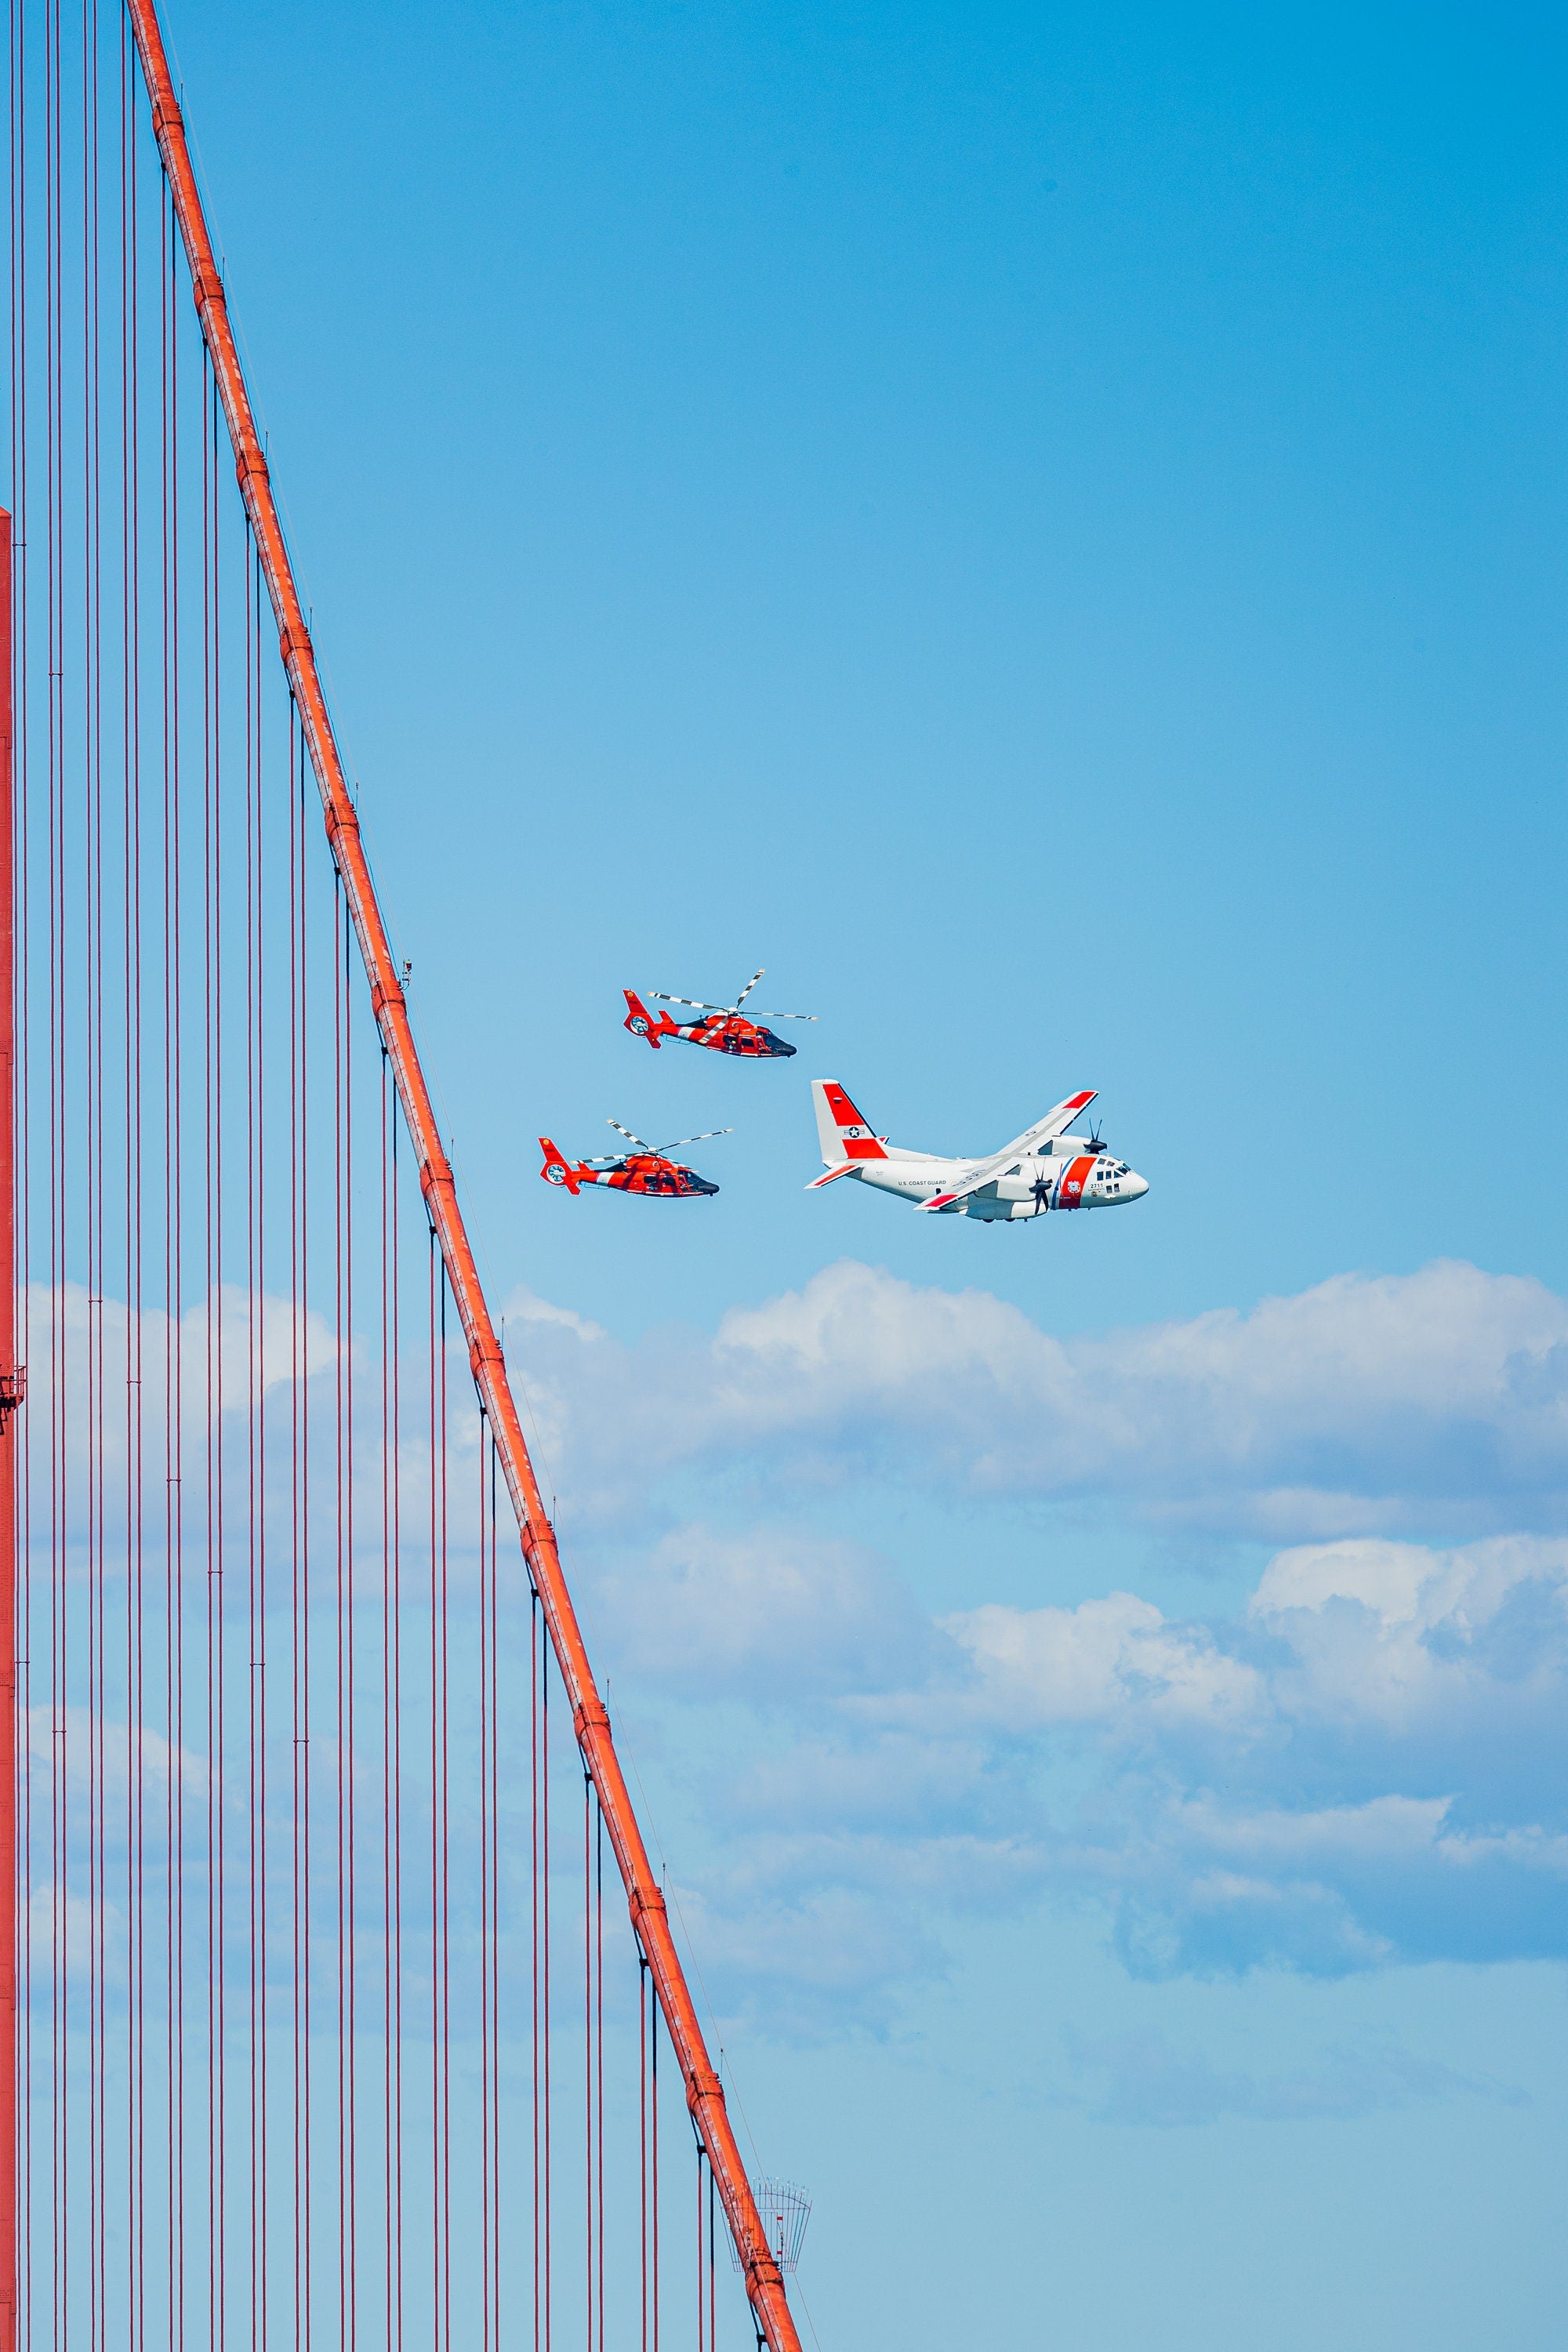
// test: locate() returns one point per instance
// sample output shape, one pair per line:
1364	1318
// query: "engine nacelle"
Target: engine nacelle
1014	1195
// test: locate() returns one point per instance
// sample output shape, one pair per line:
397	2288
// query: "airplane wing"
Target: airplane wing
1044	1130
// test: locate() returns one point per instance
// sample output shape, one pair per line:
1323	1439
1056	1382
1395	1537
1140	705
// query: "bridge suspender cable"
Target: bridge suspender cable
704	2095
11	1383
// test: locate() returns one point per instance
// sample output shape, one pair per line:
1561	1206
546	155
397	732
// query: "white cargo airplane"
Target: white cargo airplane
1045	1168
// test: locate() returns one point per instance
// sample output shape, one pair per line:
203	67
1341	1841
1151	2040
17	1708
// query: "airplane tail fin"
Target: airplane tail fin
641	1022
555	1171
843	1135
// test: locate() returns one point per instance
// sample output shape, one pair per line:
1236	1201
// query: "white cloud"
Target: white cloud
1364	1405
1102	1661
1238	1793
1373	1633
229	1341
1386	1578
198	1389
527	1306
1401	1634
1366	1763
776	1611
98	1755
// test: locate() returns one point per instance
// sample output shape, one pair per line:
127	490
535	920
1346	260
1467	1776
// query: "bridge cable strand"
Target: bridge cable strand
231	2129
547	2151
763	2280
392	1716
256	1460
492	1702
653	2135
599	2060
536	1972
16	1492
642	2135
590	2280
133	1149
488	2329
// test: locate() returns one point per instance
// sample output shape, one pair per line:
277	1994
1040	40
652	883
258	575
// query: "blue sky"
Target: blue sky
1044	528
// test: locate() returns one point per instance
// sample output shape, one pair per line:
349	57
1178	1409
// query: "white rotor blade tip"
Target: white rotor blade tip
707	1137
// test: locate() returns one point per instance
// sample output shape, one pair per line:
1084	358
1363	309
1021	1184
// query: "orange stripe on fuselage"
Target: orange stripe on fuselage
1070	1193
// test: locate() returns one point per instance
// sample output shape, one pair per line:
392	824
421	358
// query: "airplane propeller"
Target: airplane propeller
663	1150
662	996
1041	1188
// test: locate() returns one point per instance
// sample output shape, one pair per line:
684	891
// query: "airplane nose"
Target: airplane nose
1134	1187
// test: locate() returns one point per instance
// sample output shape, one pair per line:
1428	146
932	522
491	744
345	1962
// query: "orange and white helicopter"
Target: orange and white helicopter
1043	1169
726	1029
646	1167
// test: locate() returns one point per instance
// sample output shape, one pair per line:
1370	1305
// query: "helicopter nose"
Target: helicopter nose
776	1045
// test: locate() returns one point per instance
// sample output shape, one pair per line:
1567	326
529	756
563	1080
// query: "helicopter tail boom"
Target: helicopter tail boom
642	1023
556	1169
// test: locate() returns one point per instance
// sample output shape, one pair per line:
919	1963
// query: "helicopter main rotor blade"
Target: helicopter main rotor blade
785	1016
665	1149
630	1137
662	996
749	985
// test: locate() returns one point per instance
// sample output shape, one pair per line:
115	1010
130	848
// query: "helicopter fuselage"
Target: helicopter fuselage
721	1032
648	1173
664	1180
